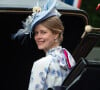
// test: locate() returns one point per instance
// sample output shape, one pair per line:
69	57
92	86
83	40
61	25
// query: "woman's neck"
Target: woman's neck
54	46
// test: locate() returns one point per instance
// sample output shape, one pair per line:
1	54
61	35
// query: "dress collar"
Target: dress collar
54	50
58	53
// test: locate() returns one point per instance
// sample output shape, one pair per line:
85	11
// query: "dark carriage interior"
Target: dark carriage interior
85	76
17	58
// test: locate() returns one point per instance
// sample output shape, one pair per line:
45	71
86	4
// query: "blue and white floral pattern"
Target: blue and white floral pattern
50	70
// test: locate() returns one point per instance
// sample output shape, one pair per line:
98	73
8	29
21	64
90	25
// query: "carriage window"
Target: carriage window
94	53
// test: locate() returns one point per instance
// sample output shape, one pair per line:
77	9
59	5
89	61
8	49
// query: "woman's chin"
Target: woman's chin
40	48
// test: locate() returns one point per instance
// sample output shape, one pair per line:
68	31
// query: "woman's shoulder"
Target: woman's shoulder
44	60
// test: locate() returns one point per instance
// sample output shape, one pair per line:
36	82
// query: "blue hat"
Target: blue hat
39	14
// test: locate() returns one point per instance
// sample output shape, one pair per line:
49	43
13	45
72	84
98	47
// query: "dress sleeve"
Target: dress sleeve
38	75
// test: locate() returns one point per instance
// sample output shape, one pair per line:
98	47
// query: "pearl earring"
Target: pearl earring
55	40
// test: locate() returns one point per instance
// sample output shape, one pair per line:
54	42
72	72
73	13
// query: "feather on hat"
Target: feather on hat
39	14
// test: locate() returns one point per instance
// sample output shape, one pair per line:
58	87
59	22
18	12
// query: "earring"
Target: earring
55	40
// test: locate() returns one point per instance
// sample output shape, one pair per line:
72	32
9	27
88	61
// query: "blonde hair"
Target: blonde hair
55	25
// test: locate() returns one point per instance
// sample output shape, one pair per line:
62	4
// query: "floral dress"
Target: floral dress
50	70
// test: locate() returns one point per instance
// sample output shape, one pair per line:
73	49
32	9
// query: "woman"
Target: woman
51	70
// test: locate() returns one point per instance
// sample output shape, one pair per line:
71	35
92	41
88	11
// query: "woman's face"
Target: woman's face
44	38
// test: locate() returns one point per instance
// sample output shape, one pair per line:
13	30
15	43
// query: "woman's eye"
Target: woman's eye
36	33
43	32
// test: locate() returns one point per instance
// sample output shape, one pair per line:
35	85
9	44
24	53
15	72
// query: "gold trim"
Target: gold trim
78	14
14	11
23	11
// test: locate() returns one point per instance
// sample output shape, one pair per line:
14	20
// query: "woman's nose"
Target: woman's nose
38	35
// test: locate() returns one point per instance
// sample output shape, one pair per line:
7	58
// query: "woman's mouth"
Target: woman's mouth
40	42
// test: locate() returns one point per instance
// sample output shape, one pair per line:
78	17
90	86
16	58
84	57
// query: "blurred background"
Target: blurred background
94	19
93	11
90	7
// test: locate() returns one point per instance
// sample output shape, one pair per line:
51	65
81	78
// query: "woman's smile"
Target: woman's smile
40	42
44	38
